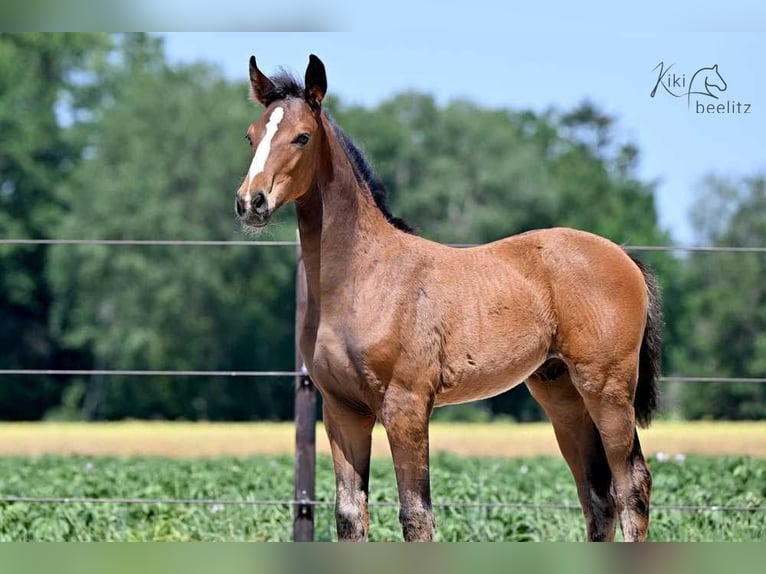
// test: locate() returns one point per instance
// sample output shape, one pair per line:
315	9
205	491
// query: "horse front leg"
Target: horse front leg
350	435
405	416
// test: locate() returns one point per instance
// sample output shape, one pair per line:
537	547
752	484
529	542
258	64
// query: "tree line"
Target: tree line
102	138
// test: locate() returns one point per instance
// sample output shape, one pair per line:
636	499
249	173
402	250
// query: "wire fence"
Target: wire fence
283	374
147	373
293	243
150	242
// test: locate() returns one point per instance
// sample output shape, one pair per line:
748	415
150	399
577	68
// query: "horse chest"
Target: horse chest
337	367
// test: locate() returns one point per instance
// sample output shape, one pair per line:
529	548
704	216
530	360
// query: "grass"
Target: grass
718	464
695	480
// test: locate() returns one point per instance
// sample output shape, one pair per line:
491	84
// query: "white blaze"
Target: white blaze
264	147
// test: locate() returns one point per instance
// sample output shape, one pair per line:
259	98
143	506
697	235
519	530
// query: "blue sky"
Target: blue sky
506	65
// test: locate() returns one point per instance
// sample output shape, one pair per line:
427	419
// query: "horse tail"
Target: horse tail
647	397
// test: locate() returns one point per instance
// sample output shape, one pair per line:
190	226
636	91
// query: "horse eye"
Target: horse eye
249	139
302	139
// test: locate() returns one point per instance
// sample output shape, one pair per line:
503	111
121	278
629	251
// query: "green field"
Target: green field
694	480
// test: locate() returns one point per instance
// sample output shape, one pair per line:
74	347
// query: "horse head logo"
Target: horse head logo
704	80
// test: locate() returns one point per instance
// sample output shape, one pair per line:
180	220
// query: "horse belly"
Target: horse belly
473	381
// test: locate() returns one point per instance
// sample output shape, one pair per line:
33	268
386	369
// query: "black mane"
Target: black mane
366	173
285	86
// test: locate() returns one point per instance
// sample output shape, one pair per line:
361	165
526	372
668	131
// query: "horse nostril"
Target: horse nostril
259	203
239	206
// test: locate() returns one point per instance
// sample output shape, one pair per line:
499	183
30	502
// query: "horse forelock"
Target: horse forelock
284	85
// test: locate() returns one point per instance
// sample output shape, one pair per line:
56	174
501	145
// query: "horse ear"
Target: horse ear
260	85
316	82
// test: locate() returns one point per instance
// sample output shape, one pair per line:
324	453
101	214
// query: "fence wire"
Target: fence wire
147	373
284	374
150	242
293	243
371	504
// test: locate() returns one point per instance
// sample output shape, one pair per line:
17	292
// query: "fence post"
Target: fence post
305	423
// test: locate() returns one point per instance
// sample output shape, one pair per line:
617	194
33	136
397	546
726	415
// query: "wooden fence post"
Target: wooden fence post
305	424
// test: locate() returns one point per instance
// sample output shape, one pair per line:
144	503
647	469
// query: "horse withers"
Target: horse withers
396	325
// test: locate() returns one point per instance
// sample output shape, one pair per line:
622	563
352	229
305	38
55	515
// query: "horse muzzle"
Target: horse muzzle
254	213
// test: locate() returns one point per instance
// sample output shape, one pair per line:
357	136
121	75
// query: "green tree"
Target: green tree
165	158
726	324
42	77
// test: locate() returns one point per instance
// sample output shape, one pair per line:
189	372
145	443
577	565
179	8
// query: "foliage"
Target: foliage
727	481
726	323
166	168
474	412
41	79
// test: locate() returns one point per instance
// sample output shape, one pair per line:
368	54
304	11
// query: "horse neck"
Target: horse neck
340	226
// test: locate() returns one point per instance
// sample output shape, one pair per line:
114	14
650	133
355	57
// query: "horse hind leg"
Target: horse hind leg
613	413
581	446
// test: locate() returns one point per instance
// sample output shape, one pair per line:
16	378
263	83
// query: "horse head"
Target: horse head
285	142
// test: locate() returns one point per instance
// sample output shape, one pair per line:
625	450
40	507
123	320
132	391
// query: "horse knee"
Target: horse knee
418	523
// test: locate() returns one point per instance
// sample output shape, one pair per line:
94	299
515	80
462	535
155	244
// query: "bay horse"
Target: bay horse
396	325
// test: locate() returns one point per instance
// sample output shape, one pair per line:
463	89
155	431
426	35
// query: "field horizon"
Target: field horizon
206	439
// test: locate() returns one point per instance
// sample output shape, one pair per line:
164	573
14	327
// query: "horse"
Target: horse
396	325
